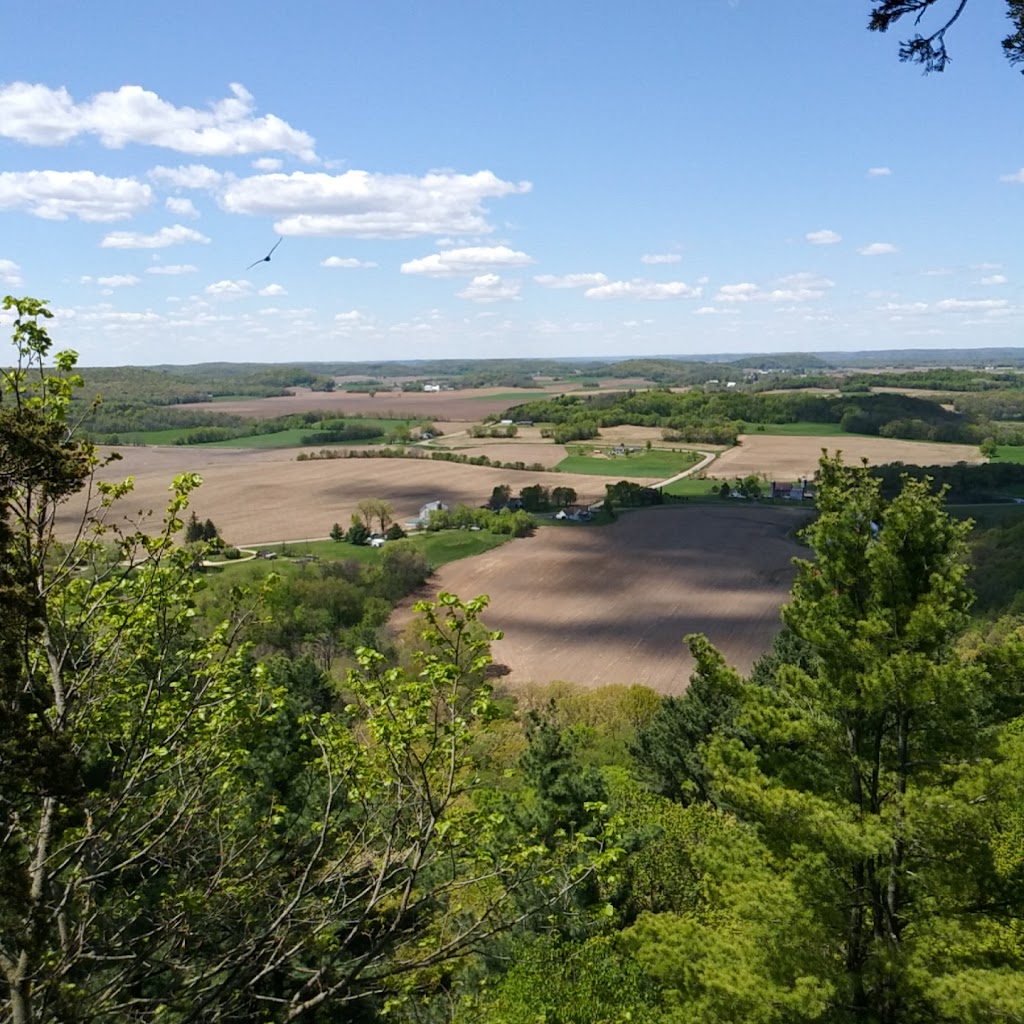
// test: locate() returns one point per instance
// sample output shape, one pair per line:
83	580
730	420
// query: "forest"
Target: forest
210	814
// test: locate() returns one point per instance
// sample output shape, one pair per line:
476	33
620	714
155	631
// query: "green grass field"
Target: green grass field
988	515
515	397
440	548
691	487
656	464
1010	453
800	429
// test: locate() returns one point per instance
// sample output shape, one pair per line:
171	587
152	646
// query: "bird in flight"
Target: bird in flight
266	259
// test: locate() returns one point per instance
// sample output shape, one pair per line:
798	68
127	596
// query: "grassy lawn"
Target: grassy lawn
691	487
440	548
1010	453
796	429
515	397
658	463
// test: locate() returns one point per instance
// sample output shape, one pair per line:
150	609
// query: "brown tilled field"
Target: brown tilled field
262	496
789	458
470	404
596	605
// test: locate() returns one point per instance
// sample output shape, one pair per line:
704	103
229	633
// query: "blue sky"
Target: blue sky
506	179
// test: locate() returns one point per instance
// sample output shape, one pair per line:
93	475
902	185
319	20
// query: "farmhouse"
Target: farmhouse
575	513
790	492
431	387
424	514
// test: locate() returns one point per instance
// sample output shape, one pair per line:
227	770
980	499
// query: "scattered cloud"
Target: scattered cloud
197	176
365	205
490	288
10	273
181	207
879	172
40	116
172	269
118	281
706	311
994	279
878	249
1017	178
823	237
353	316
802	287
646	290
570	280
229	289
272	289
268	163
656	258
57	195
937	272
742	292
346	262
176	235
452	262
963	305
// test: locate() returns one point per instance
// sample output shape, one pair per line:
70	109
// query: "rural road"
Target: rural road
708	458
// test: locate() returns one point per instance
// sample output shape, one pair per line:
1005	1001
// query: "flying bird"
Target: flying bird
266	259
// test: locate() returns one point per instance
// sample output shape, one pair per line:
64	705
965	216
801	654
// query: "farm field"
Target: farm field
794	457
612	605
469	404
801	430
267	496
656	464
544	452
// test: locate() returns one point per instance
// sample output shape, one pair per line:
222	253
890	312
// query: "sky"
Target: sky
496	179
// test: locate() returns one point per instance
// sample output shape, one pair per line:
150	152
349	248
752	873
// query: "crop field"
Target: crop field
544	452
800	429
612	604
656	464
789	458
267	496
469	404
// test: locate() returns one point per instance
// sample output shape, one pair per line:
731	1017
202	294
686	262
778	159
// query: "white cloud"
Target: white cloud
743	292
176	235
346	262
474	260
647	290
571	280
268	163
823	237
879	172
118	281
353	316
272	289
229	289
706	311
181	207
365	205
656	258
878	249
41	116
172	269
994	279
10	273
57	195
801	287
1016	179
961	305
490	288
188	176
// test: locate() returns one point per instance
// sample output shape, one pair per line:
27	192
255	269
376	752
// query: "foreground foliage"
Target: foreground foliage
184	837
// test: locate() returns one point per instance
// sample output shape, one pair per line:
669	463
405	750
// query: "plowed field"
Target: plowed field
596	605
255	496
789	458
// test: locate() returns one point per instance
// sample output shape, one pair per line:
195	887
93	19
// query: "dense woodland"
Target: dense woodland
249	803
